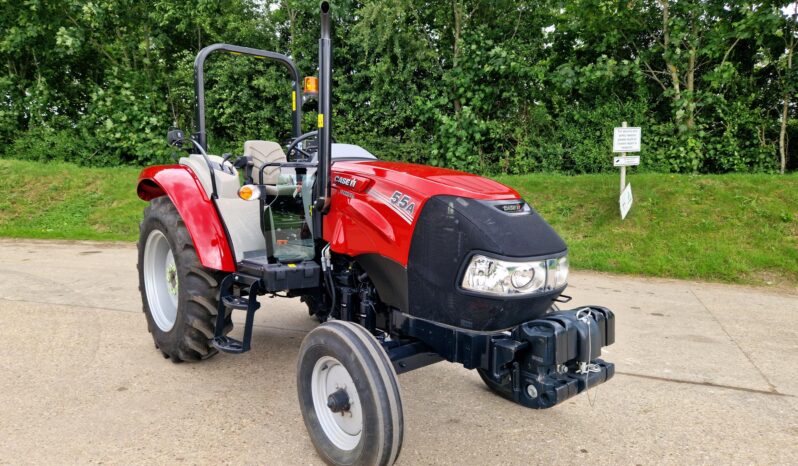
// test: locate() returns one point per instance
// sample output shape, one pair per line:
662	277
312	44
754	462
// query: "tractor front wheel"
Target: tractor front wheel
179	296
349	396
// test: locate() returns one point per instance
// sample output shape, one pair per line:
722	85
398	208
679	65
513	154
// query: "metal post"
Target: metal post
324	118
623	168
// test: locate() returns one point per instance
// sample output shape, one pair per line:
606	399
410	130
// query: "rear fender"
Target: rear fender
196	209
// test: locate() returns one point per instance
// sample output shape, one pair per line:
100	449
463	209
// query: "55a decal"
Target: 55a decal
403	201
399	202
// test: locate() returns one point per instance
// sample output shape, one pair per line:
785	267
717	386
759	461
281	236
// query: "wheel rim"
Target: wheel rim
160	280
344	428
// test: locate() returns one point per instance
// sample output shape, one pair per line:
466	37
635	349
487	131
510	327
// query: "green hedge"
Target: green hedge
491	87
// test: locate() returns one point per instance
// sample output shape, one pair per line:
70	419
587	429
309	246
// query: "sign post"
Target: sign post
625	139
623	154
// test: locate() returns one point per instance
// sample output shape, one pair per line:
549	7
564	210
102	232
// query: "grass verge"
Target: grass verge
727	228
64	201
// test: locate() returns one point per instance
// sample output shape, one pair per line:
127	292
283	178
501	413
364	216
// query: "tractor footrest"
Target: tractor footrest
238	302
228	345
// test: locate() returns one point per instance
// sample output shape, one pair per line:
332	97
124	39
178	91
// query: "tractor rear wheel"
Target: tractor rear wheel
349	396
179	296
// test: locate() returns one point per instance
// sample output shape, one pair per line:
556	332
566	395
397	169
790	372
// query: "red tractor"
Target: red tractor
404	266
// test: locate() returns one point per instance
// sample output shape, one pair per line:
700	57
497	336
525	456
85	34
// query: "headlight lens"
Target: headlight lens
523	277
494	276
562	272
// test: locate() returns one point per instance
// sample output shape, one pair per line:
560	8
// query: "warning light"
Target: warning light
249	192
311	85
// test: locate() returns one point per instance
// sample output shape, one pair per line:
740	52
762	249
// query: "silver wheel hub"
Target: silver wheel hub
330	380
171	274
160	280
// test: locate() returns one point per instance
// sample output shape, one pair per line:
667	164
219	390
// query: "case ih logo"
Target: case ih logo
518	207
348	182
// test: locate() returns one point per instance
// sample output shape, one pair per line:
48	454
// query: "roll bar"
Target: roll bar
323	186
199	85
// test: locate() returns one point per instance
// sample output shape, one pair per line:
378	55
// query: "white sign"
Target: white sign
626	139
626	200
627	161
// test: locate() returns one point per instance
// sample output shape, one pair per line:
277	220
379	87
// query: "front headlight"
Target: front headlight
494	276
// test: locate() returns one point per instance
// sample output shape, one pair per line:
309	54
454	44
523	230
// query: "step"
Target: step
238	302
228	345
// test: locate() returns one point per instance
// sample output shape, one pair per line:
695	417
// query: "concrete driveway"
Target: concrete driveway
705	374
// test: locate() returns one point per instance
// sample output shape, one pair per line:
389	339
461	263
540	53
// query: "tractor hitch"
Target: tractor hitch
548	387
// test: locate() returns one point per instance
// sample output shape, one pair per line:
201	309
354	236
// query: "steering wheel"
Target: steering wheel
293	146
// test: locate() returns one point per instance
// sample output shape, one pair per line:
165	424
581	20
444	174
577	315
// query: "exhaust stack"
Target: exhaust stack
325	111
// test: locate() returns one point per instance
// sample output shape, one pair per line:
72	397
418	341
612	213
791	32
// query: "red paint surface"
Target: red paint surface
197	211
363	222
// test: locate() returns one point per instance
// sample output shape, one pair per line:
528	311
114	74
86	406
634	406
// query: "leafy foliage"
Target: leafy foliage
493	87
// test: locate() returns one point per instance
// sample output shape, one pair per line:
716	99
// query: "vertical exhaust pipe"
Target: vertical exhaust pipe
325	113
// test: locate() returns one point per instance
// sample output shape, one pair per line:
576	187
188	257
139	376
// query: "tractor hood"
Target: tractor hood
426	181
393	198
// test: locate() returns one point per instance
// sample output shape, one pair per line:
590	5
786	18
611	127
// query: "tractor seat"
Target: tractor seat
262	153
265	152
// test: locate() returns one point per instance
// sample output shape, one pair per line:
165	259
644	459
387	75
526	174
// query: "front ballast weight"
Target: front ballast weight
557	357
538	364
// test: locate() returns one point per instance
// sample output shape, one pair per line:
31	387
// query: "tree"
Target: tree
789	81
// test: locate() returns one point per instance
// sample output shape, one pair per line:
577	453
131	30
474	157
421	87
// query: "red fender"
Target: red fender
197	211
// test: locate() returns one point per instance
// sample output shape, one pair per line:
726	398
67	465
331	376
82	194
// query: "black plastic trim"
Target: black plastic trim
448	231
388	276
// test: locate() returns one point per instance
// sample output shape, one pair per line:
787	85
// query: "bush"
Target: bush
44	144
